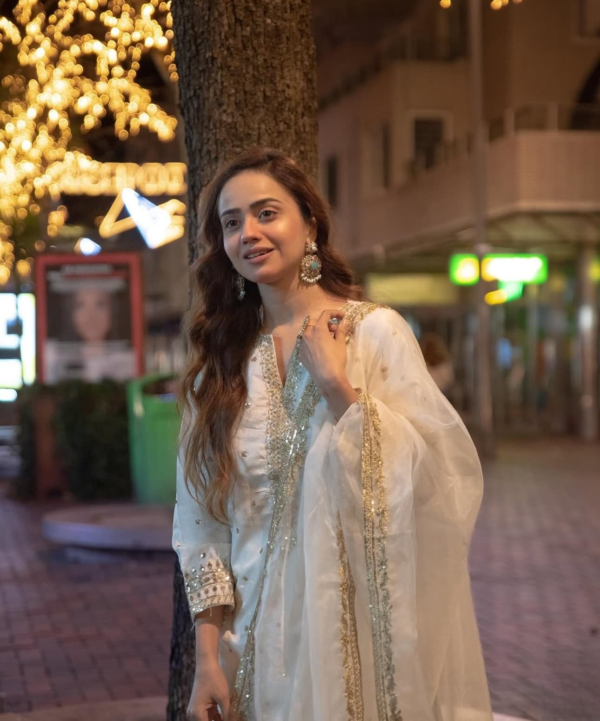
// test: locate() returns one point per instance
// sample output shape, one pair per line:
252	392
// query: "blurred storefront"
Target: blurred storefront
92	165
94	226
396	146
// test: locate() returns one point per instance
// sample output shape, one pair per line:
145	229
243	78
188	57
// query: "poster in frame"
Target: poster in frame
89	317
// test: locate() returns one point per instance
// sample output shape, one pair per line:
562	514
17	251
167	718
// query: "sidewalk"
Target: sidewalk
78	628
148	709
535	567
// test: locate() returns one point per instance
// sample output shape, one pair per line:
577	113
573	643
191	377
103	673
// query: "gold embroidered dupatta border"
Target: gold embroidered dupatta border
376	519
349	634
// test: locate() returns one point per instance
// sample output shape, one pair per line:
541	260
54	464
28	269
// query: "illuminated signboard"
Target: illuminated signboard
17	351
95	178
158	224
464	269
503	267
509	290
89	317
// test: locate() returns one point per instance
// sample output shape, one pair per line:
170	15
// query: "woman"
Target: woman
326	490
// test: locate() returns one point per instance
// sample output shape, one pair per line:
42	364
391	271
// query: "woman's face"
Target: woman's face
259	215
92	315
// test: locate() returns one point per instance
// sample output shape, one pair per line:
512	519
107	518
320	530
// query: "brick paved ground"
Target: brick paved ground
73	631
535	568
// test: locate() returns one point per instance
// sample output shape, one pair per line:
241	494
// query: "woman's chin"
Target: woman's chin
266	277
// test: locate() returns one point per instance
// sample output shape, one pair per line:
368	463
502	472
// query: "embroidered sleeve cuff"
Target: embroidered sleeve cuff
207	586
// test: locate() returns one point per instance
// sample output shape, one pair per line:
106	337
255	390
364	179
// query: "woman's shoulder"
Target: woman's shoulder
373	320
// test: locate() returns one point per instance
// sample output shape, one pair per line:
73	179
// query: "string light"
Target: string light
69	77
494	4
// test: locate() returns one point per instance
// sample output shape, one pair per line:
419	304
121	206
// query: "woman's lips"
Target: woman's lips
258	259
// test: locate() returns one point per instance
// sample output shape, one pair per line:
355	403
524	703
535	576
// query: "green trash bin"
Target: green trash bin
154	424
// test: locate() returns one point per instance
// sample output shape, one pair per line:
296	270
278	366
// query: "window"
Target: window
588	20
428	133
332	180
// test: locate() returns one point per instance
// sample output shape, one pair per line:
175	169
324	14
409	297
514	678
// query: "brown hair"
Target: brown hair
434	350
221	331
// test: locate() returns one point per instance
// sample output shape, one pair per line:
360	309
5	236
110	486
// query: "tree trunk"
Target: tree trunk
247	76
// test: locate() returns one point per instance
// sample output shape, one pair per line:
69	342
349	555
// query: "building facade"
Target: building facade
396	145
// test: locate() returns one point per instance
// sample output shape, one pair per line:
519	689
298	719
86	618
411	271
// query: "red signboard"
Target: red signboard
89	317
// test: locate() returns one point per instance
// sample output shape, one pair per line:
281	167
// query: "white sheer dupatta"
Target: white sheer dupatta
405	487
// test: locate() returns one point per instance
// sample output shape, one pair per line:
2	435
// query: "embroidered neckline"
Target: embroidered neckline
344	307
294	367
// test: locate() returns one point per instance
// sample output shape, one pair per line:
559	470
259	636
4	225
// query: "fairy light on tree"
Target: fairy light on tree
73	62
494	4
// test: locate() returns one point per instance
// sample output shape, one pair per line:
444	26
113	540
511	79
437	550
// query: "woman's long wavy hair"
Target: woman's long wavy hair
222	330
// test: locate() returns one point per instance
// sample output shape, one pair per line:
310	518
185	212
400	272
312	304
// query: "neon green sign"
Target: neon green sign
464	269
504	267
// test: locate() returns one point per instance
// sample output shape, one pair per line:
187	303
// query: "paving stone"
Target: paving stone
74	624
534	568
61	617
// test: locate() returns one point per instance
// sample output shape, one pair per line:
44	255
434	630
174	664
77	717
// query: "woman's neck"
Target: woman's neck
290	307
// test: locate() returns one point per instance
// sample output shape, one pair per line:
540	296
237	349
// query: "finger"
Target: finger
341	331
224	706
214	714
193	716
326	318
327	315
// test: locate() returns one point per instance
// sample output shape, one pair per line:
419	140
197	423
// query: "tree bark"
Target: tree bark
247	76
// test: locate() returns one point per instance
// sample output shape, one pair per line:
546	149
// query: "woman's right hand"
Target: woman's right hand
210	689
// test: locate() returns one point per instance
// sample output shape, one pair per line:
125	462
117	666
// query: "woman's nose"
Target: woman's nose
249	229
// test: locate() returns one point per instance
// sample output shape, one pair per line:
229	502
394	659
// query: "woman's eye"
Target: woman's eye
266	213
229	224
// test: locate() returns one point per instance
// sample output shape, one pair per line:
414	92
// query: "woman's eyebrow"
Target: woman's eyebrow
255	204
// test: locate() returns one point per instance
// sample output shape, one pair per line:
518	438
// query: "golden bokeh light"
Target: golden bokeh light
76	64
494	4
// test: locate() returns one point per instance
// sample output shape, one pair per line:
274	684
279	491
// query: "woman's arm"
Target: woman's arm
208	632
210	690
203	546
340	395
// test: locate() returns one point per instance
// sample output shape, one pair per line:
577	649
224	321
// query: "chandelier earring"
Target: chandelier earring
240	284
310	268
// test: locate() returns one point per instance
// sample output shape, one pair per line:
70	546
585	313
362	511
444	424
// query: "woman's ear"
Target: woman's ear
312	229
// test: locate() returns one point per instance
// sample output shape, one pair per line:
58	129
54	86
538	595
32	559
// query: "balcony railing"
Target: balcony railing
551	118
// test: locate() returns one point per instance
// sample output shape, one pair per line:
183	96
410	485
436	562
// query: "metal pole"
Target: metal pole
588	341
532	355
483	395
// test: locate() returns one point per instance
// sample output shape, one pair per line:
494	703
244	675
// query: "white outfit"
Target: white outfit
345	557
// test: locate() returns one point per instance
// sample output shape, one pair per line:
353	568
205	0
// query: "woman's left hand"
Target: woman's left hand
323	354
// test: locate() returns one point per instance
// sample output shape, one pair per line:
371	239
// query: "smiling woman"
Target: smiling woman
326	490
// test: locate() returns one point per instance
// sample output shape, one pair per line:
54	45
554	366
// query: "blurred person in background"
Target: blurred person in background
438	360
326	489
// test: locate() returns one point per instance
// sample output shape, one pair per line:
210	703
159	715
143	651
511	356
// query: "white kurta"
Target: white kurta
345	558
